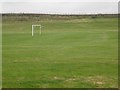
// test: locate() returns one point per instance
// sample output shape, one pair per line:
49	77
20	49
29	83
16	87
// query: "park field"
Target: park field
70	53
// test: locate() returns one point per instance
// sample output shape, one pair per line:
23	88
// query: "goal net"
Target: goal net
33	28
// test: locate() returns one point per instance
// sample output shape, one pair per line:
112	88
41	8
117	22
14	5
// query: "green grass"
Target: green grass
78	53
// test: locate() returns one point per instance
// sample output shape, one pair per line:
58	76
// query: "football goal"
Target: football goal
33	27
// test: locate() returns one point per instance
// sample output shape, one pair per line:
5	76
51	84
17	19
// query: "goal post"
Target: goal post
36	26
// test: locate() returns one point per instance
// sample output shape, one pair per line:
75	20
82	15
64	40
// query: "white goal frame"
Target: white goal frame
36	26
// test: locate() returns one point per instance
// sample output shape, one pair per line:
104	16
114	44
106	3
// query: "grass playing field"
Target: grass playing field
76	53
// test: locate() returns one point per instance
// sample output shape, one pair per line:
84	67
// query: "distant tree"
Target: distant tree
93	16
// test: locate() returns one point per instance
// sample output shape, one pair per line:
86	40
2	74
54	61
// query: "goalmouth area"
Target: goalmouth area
74	51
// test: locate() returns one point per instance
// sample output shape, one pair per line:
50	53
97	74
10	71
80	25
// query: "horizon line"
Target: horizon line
59	13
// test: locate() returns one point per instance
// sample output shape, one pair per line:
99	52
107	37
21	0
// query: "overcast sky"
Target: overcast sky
59	0
60	7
